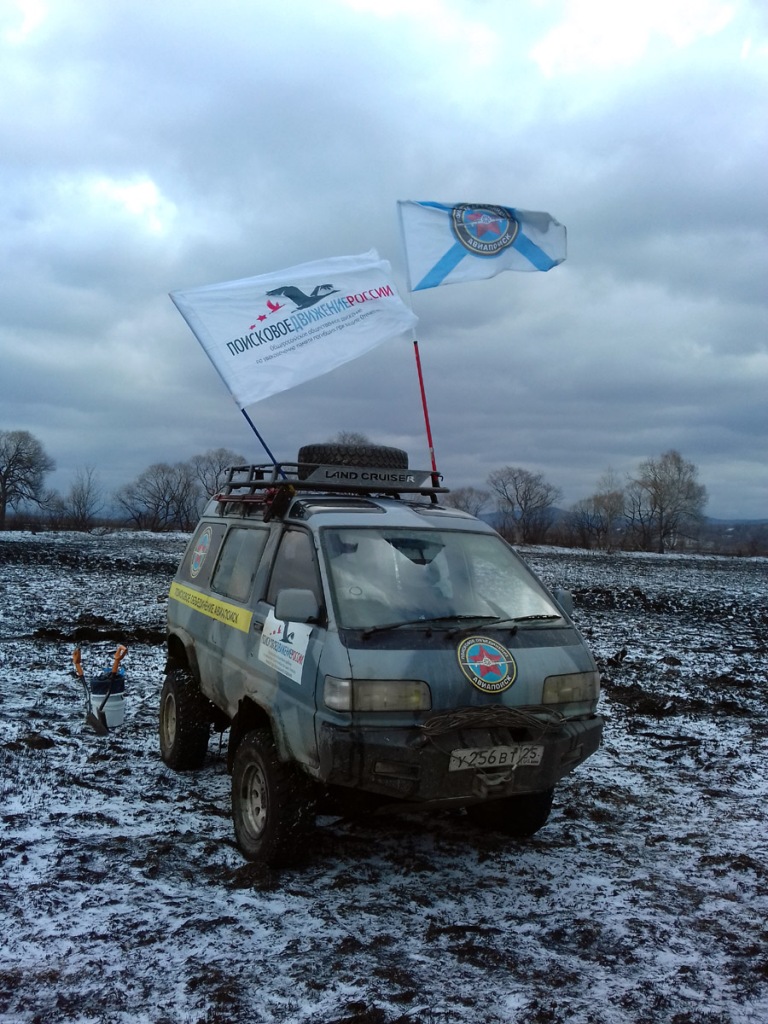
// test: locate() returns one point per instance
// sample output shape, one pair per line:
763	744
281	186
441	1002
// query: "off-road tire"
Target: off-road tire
517	816
312	455
185	721
273	805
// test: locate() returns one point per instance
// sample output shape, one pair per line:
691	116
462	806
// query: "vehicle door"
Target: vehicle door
284	661
189	598
230	610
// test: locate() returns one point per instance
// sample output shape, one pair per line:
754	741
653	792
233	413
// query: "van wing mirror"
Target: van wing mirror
565	599
294	605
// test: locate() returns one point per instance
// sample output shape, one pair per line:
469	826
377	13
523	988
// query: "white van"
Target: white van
365	644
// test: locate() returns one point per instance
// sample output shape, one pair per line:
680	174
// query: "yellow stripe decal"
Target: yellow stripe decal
229	614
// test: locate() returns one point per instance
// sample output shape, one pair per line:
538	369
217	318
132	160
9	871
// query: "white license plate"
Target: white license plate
495	757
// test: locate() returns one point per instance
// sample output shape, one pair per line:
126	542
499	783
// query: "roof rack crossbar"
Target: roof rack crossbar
247	483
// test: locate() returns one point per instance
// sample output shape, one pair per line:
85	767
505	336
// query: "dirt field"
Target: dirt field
645	899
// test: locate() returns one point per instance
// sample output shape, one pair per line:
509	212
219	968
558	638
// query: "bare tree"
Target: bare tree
55	511
23	465
664	500
525	502
210	468
584	522
597	519
85	500
639	516
163	497
468	499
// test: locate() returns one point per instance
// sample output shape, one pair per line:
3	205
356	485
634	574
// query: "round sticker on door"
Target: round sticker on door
201	550
487	665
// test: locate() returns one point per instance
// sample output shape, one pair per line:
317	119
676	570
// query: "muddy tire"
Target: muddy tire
185	722
516	816
312	455
273	806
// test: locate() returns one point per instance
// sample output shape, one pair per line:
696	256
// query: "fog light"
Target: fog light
571	689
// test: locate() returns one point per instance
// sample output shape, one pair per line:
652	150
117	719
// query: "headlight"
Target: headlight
376	694
571	689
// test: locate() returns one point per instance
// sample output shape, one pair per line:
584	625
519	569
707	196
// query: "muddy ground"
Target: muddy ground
124	899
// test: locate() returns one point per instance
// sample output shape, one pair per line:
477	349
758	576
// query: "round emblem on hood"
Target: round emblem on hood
487	664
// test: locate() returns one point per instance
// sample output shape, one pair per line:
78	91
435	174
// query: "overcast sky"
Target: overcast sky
153	146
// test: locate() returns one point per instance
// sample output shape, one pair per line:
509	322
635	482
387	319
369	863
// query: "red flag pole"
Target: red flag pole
426	412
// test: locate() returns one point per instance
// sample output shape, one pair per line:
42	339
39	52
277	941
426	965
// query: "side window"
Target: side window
295	566
240	557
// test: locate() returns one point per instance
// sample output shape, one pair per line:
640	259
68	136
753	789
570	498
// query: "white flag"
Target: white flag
267	334
448	243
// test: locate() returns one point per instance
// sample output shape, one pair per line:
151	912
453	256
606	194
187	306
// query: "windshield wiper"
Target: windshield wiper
482	620
536	618
450	619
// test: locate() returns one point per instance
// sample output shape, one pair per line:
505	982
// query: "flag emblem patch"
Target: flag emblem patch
484	230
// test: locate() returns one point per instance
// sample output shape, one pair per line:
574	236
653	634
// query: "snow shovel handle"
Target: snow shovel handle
120	653
78	662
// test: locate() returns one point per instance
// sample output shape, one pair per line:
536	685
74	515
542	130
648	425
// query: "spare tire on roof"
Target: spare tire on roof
365	455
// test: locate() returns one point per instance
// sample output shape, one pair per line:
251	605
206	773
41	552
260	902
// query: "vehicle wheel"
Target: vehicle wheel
517	816
185	721
312	455
273	806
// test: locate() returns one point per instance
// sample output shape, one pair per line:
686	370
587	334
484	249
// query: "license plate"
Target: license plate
495	757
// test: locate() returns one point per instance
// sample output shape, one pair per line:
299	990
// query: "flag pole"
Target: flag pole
426	411
264	444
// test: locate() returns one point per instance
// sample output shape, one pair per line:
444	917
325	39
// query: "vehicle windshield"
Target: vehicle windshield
386	576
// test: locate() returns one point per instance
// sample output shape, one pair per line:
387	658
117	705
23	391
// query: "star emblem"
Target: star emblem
484	224
487	662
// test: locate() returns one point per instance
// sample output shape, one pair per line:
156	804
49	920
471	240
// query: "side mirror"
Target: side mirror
294	605
565	599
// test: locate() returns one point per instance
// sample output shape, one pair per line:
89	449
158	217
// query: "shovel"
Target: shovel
98	726
98	721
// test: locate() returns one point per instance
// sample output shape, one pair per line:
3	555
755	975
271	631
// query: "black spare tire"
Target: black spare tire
364	455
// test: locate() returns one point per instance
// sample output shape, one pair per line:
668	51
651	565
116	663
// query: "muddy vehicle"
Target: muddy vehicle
369	648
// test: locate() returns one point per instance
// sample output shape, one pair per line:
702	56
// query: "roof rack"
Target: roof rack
257	483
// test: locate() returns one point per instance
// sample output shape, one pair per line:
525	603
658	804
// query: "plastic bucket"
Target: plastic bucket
114	709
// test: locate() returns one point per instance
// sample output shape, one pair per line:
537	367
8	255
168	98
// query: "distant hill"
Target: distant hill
493	519
735	523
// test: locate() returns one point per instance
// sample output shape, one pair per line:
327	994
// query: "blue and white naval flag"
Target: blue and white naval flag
267	334
447	243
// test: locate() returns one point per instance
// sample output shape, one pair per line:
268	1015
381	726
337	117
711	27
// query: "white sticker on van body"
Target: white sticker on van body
283	646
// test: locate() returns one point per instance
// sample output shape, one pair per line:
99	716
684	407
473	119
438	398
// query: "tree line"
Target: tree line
659	507
163	497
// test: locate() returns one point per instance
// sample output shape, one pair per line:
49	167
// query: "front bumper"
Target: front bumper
412	764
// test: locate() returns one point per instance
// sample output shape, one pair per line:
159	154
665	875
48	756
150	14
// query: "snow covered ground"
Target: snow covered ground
645	898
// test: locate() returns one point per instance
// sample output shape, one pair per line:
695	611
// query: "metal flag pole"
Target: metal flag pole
264	444
426	411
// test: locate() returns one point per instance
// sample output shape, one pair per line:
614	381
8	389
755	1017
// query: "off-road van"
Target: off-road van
365	644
